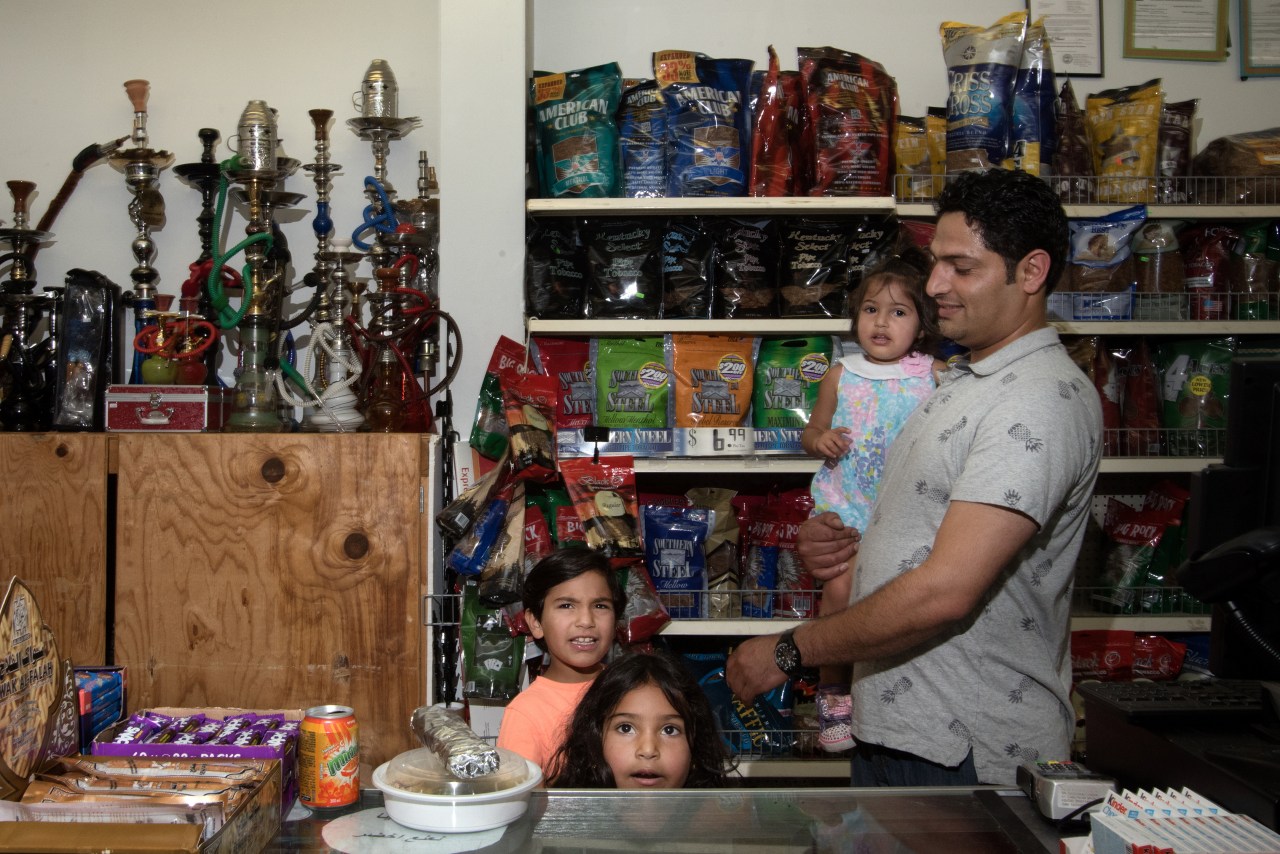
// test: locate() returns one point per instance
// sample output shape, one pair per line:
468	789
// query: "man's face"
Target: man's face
978	307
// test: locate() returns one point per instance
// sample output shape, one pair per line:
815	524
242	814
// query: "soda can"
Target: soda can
328	757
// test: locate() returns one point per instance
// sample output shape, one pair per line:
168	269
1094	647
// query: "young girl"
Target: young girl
572	599
869	395
644	724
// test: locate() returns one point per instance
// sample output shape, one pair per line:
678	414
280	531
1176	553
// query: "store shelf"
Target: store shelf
1168	327
835	768
725	205
803	465
1142	623
599	327
1154	465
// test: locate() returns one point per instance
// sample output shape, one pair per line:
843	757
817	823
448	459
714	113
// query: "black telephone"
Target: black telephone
1243	565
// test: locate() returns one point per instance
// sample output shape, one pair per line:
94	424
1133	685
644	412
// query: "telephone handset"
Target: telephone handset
1247	565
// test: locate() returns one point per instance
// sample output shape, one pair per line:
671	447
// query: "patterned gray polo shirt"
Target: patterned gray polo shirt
1019	429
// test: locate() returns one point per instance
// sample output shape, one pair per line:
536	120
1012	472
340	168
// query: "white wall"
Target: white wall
461	66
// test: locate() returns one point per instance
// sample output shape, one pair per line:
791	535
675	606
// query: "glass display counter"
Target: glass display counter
984	819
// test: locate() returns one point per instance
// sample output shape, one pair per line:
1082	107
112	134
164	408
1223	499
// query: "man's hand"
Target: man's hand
826	546
750	671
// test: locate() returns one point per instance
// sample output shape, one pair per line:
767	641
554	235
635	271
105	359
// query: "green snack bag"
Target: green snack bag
632	382
1195	376
493	656
576	134
788	371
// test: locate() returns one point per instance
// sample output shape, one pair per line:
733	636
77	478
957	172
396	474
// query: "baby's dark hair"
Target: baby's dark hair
580	762
565	565
909	266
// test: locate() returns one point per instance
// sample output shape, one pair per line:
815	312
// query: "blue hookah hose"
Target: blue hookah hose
384	222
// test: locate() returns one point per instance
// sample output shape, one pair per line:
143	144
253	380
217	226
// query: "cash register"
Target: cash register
1221	736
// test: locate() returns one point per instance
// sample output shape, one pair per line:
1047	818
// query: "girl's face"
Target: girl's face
576	627
645	743
888	325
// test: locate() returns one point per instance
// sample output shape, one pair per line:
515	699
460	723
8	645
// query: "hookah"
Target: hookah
256	406
333	407
141	166
24	364
404	256
194	299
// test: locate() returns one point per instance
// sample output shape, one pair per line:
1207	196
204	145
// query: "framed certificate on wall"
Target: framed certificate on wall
1177	29
1260	32
1074	28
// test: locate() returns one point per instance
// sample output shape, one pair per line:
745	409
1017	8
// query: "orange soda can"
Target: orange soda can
328	757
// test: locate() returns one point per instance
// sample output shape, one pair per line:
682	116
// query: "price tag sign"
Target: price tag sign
714	441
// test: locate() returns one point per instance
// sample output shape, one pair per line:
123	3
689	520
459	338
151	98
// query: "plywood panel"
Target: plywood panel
270	571
53	532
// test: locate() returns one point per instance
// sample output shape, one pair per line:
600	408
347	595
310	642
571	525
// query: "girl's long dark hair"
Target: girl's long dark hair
580	763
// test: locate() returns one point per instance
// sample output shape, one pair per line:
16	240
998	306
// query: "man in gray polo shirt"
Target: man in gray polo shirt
959	625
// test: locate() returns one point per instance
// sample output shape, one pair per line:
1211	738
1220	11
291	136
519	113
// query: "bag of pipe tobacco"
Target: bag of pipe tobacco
870	235
1173	162
550	500
746	268
529	401
1073	156
712	376
982	65
502	574
642	132
1195	383
773	581
632	382
813	271
1124	128
489	433
688	258
644	614
775	124
788	371
456	519
850	110
624	257
577	135
763	728
674	553
491	654
568	362
721	548
708	122
555	270
604	496
1032	136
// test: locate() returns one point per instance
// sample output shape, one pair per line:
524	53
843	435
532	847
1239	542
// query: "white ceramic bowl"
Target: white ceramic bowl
456	813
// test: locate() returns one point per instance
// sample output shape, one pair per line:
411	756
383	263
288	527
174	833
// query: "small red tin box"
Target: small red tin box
172	408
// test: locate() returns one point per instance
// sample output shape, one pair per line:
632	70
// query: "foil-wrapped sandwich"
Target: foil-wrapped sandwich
464	753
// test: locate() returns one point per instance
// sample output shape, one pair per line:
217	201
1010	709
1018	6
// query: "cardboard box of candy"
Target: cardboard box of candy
238	812
107	743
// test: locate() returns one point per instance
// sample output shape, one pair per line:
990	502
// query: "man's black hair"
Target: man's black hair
1013	213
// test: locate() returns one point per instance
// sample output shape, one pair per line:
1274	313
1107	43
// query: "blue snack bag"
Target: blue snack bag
708	122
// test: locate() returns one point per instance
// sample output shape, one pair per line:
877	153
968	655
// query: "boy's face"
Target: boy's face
645	743
576	627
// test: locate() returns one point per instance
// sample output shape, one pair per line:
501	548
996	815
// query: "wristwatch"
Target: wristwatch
786	655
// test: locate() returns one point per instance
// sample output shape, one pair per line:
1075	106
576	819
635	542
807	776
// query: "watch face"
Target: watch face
786	656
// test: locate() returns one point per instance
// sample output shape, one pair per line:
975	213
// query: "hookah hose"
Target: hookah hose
87	157
384	222
221	307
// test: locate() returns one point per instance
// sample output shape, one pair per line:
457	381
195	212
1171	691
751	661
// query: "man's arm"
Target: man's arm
974	543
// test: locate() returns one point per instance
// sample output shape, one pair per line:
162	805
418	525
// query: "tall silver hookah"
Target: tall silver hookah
141	166
259	168
336	366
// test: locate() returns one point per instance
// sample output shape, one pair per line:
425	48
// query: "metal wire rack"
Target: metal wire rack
1129	190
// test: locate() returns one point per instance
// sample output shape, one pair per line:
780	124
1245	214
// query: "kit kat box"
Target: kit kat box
172	408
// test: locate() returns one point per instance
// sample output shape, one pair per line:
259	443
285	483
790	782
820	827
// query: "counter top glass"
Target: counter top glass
984	819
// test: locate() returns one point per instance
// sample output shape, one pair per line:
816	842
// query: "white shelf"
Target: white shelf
835	768
1168	327
851	205
603	327
1154	465
714	205
1116	622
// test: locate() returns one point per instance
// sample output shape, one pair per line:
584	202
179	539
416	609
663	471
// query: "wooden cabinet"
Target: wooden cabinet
250	570
54	533
277	571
